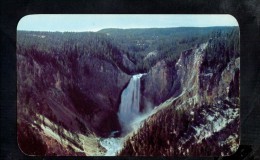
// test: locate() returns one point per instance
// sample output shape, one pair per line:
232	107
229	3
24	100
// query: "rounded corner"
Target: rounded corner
232	16
234	152
21	19
20	148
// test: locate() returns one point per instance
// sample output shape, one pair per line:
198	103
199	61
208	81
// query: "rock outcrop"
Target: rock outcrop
159	84
203	111
74	91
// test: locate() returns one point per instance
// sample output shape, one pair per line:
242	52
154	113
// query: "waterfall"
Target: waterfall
129	115
130	102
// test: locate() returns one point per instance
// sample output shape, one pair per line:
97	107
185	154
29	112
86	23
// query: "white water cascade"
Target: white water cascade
129	107
129	115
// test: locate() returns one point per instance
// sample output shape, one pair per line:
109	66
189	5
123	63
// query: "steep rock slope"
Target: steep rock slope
69	87
203	117
159	84
77	92
168	80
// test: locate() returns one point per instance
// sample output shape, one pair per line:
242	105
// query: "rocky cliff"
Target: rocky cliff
70	85
198	111
75	92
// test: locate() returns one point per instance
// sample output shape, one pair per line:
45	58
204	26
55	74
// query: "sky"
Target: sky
96	22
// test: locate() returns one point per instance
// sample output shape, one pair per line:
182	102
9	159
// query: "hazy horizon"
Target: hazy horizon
94	22
125	29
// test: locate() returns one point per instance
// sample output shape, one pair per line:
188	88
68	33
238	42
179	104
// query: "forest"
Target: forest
70	87
111	44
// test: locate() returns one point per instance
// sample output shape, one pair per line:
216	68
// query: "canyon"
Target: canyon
99	94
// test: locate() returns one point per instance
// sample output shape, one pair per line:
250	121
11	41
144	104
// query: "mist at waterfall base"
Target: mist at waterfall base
129	115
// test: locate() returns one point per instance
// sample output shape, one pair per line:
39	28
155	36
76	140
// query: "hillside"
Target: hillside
74	90
203	118
168	42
